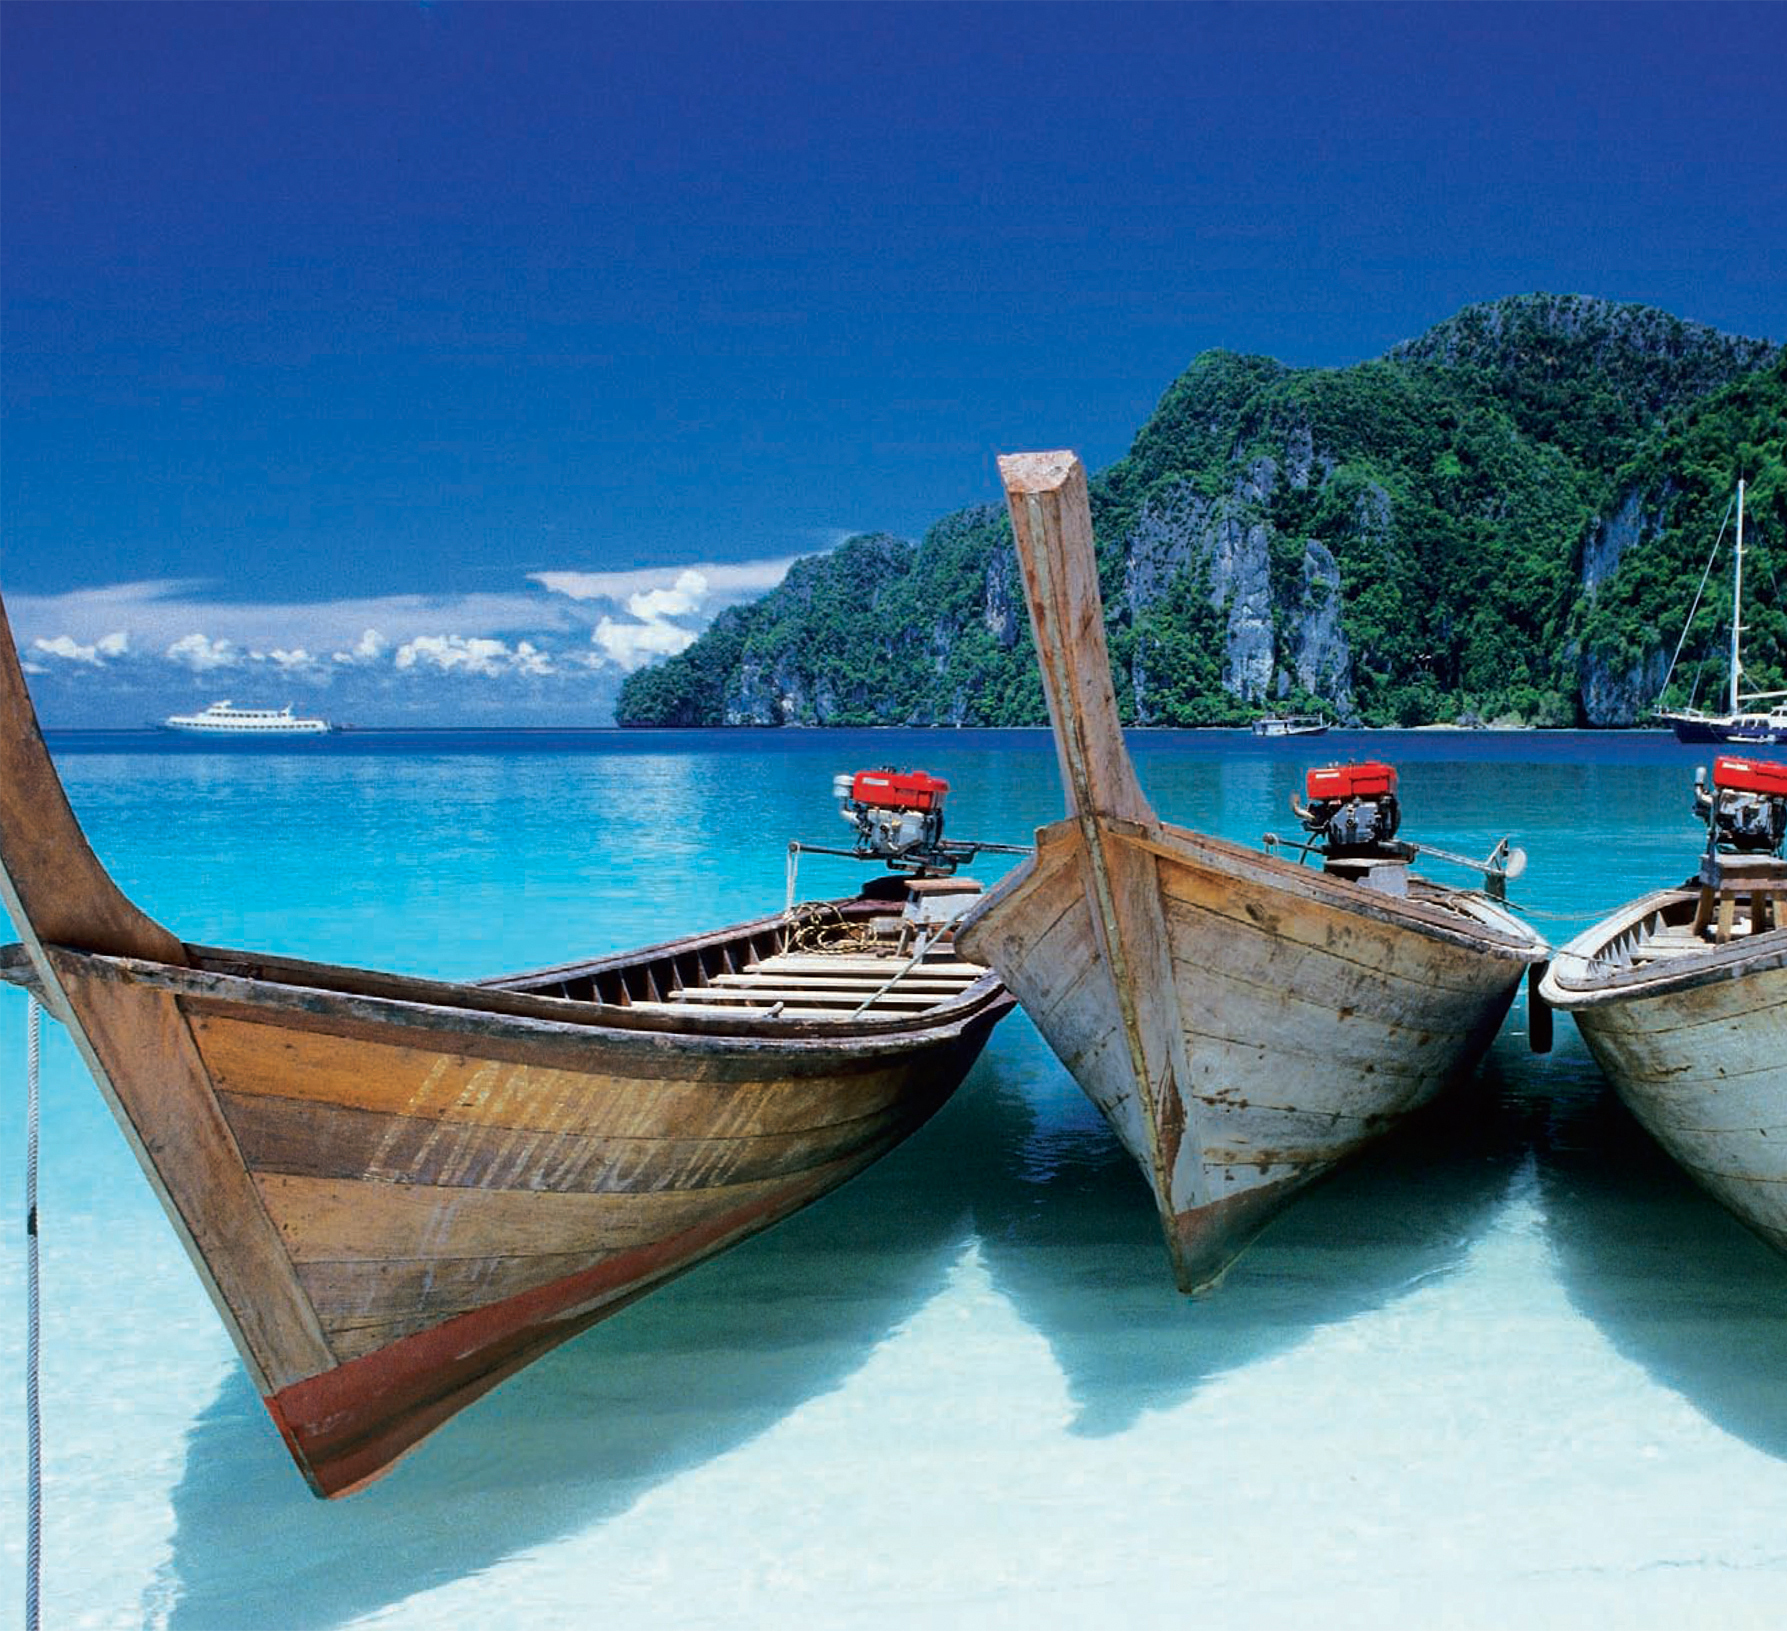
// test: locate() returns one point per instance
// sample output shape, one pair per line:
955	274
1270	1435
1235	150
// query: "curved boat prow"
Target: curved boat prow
1052	518
400	1191
1086	877
52	883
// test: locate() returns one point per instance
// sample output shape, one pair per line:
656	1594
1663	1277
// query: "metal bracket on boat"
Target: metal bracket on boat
1272	843
1503	862
960	853
1507	860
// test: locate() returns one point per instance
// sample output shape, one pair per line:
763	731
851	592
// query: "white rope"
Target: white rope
33	1431
1692	610
918	956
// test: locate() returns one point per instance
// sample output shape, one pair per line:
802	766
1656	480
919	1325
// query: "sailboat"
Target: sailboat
1739	722
1243	1021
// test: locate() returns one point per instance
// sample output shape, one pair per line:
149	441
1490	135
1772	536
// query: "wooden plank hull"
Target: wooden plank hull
399	1191
427	1213
1310	1021
1695	1044
1243	1023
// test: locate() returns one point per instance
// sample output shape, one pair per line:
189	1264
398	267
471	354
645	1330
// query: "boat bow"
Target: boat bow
1242	1022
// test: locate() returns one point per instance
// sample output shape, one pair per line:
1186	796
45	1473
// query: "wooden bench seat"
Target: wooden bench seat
941	985
765	994
778	1010
819	963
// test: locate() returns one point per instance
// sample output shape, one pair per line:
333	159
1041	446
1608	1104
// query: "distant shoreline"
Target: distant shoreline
191	742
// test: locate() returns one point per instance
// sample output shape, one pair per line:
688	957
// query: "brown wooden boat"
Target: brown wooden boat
1244	1022
399	1191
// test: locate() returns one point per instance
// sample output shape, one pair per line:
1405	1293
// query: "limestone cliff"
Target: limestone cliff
1489	521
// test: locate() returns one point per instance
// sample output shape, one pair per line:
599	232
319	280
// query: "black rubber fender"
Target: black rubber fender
1538	1010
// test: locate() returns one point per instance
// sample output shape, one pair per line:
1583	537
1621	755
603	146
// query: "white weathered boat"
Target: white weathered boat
1682	998
1244	1022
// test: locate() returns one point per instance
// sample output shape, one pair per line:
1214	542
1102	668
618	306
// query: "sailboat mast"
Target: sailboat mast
1737	600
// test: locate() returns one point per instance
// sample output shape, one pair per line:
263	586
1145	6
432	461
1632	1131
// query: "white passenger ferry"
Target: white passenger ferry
226	719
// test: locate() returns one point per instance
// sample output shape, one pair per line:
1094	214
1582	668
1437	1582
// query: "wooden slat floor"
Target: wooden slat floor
818	985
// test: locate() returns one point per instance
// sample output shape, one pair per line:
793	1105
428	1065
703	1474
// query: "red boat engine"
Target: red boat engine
897	814
1746	808
1352	808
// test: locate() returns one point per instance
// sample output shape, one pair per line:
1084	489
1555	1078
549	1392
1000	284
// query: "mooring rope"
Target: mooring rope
819	927
33	1427
1560	917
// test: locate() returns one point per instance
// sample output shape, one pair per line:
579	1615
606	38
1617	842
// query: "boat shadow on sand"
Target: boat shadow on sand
1069	1233
1017	1159
692	1371
1666	1274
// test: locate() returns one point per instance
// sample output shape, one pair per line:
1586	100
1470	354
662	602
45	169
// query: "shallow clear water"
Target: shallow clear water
1508	1369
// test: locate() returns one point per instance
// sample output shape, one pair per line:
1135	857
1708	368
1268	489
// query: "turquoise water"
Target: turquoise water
1509	1369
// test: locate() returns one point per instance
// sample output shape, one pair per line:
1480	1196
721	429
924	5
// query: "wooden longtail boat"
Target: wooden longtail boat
399	1191
1243	1022
1681	996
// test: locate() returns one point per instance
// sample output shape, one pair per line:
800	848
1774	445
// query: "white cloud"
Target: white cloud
564	623
633	645
668	605
532	661
682	598
160	613
202	655
370	647
116	644
725	584
456	653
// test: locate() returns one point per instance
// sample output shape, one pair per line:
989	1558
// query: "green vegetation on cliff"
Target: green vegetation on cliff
1505	518
1653	554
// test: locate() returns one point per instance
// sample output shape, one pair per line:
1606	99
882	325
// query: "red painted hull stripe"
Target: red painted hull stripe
347	1425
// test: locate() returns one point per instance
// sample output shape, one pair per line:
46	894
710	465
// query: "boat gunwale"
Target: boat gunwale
1572	984
326	991
1187	847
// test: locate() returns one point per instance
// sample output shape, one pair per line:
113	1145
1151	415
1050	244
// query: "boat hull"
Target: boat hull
398	1191
1743	729
1243	1022
1311	1017
393	1217
311	728
1696	1048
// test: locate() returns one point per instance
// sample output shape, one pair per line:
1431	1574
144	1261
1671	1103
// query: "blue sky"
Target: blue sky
442	362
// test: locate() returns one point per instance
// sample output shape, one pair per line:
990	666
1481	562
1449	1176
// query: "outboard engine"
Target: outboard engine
1352	817
1352	808
897	814
1745	809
